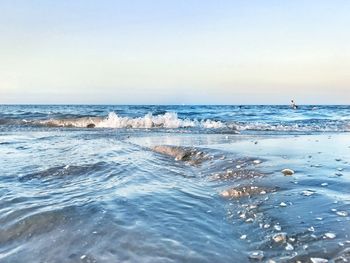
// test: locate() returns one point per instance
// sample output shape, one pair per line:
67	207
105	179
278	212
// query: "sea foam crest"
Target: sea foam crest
168	120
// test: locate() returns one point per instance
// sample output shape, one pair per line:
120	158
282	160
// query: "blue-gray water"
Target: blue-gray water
69	193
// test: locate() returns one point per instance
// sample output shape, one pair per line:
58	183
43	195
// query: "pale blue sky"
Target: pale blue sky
171	52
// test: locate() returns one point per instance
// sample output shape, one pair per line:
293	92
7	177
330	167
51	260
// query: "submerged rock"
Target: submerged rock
237	192
287	172
181	153
236	174
178	153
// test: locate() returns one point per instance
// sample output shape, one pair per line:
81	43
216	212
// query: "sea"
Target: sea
174	183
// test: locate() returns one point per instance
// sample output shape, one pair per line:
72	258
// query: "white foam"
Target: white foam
168	120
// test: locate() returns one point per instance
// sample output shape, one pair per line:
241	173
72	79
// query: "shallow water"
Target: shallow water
76	194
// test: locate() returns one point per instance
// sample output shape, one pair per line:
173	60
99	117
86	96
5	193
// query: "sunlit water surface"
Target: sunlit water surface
69	193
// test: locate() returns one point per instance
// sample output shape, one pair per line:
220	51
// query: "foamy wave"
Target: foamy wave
168	120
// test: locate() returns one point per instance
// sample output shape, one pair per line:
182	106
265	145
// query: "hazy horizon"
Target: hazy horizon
174	52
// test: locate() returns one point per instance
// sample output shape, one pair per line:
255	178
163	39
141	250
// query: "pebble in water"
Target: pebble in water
287	172
289	247
329	235
258	254
253	206
238	192
280	237
342	213
307	192
277	228
311	229
319	260
249	220
243	215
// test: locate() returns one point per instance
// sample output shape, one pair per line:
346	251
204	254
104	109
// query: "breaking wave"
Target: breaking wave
168	120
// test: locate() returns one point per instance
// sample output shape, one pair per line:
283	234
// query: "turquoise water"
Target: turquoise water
69	193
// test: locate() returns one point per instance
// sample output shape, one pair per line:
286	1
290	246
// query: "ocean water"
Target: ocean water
174	183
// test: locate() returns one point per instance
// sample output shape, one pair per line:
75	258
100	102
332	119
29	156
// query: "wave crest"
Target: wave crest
169	120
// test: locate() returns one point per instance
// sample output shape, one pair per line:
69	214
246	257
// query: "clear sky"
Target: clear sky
175	51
